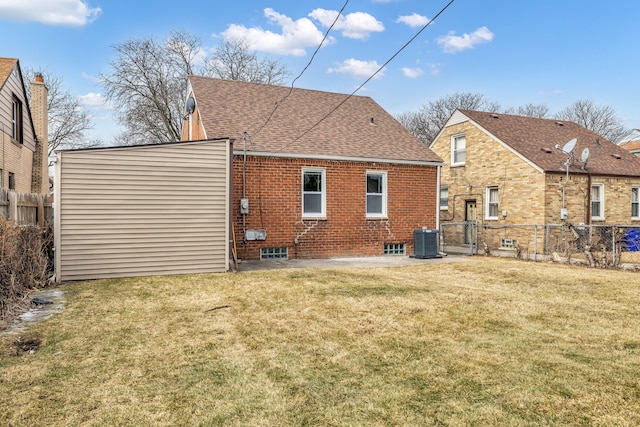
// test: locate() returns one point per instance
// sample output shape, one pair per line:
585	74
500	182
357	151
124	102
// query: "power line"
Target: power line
370	77
326	34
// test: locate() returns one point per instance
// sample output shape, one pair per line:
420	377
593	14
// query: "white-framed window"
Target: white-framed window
16	120
444	198
635	202
376	194
492	203
597	202
458	149
314	192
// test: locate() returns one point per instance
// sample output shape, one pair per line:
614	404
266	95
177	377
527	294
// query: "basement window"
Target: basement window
394	249
507	244
281	252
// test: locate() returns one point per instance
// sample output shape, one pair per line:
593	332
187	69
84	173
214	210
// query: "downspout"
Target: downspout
588	210
3	159
438	190
244	186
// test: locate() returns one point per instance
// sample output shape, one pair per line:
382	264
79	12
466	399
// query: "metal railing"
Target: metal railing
612	245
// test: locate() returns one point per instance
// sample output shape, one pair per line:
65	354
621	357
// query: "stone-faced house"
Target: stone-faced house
631	142
23	132
316	174
503	169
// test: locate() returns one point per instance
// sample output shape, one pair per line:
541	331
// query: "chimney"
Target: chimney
40	117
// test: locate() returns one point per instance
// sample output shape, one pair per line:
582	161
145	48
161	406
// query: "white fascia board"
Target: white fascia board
456	118
459	117
338	158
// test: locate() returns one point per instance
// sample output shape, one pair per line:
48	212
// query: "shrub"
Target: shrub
26	261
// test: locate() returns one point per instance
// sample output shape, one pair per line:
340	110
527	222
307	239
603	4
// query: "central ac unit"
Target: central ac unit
425	244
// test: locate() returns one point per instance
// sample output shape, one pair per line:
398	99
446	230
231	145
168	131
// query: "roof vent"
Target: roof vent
616	156
546	150
372	121
560	123
494	116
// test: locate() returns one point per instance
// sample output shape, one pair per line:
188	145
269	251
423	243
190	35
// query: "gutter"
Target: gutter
341	158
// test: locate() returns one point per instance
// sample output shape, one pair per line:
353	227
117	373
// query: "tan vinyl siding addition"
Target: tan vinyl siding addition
147	210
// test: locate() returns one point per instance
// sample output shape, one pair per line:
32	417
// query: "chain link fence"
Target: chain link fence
607	246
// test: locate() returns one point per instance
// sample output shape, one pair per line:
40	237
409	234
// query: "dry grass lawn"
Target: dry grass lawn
491	342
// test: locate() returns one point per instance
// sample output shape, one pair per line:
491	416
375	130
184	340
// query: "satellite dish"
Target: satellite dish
585	155
191	105
569	146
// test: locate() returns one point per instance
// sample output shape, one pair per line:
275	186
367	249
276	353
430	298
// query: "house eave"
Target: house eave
457	118
593	174
338	158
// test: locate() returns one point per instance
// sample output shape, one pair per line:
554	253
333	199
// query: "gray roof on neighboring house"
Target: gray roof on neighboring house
304	122
536	139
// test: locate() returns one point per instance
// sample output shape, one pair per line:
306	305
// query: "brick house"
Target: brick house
23	132
502	169
316	174
631	142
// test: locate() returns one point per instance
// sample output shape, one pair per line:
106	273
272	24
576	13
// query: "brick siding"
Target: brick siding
274	190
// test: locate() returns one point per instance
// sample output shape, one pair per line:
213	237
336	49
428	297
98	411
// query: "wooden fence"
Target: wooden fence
25	208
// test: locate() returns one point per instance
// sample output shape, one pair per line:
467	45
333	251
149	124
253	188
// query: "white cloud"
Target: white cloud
356	25
414	20
294	38
412	72
452	43
92	78
95	101
434	69
357	68
52	12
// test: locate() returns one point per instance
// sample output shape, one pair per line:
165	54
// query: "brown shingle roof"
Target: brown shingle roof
360	128
6	65
631	145
536	140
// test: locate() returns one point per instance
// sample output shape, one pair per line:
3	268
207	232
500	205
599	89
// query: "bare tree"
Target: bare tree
149	81
427	122
234	60
68	121
540	111
148	86
599	119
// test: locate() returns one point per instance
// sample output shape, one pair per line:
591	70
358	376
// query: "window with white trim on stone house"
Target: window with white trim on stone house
635	202
444	198
458	149
492	203
313	192
597	202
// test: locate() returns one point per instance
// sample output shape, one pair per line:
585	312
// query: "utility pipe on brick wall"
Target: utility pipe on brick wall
244	187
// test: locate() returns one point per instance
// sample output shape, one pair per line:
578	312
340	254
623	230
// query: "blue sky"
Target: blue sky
512	51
